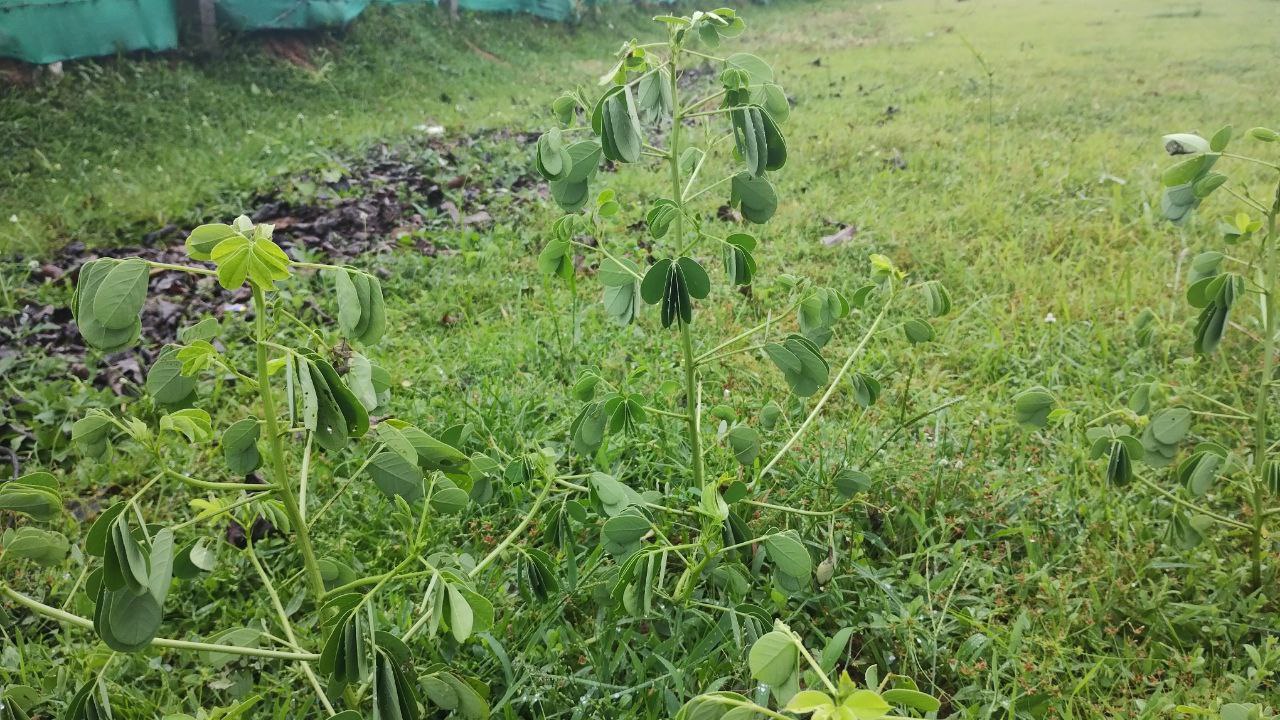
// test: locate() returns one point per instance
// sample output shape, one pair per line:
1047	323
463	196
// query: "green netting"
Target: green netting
289	14
549	9
45	31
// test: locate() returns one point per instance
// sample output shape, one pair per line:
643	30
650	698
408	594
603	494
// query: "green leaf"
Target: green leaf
571	192
802	367
1171	425
866	389
125	621
621	137
914	699
1119	464
551	157
1032	407
166	381
1220	139
259	260
43	547
91	433
745	443
450	692
96	540
660	217
620	289
755	196
739	263
789	555
1264	134
433	454
807	701
708	706
201	242
91	277
394	475
124	564
610	495
937	298
1199	471
695	277
750	142
850	482
676	302
34	495
120	296
355	417
756	69
866	705
193	423
654	284
623	532
1186	171
350	304
448	498
773	659
917	331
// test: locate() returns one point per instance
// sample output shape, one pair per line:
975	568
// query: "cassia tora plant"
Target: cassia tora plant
1220	282
685	540
312	401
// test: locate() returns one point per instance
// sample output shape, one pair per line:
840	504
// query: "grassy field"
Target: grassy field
1008	148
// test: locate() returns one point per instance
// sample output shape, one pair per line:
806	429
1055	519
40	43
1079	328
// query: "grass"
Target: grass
991	564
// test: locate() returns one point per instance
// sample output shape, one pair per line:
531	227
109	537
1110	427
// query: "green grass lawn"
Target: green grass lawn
991	563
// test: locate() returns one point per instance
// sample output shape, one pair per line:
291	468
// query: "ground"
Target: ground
1009	149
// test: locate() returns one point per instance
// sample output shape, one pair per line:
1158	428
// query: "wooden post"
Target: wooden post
208	24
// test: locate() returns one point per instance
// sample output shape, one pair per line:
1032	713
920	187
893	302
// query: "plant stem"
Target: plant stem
686	338
87	624
817	408
272	424
518	529
1190	505
288	626
211	485
1264	388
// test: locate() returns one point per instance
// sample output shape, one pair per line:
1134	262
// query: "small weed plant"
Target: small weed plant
311	403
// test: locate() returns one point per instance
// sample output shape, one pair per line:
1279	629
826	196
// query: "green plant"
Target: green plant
673	534
313	398
780	660
1218	281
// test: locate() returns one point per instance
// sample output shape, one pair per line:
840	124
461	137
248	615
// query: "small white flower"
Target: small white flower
1049	318
13	218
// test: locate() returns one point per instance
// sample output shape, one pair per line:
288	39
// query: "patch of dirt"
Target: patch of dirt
291	48
390	198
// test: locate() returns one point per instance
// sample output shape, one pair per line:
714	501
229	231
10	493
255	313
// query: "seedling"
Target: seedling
312	401
1219	285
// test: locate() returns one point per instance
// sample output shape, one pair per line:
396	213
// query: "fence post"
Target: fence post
208	25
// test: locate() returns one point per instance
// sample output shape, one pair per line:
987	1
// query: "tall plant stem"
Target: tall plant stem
269	419
1264	387
686	339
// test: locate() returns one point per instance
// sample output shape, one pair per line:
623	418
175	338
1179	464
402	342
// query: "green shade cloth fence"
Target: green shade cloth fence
46	31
